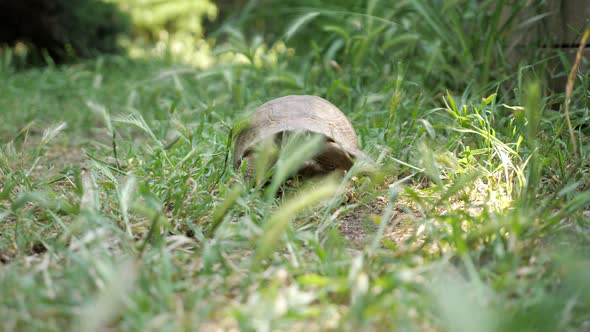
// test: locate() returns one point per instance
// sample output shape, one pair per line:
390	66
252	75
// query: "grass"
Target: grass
131	216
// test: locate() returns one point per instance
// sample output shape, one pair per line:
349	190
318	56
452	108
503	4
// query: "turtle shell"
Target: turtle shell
302	114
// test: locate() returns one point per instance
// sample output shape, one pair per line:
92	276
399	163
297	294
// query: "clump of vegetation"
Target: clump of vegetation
151	18
172	30
126	212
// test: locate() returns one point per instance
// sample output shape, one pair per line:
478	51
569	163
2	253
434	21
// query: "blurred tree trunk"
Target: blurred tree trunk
33	20
65	29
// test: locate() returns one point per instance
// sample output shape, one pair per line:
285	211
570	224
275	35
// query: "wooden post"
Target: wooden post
557	33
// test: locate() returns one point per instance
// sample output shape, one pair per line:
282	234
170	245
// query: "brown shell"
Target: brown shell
302	113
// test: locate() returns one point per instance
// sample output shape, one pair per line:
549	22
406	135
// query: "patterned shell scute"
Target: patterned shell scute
297	113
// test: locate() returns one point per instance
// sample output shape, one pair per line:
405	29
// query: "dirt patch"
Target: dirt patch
360	225
48	159
59	156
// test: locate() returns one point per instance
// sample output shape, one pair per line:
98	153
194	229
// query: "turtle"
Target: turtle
301	114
